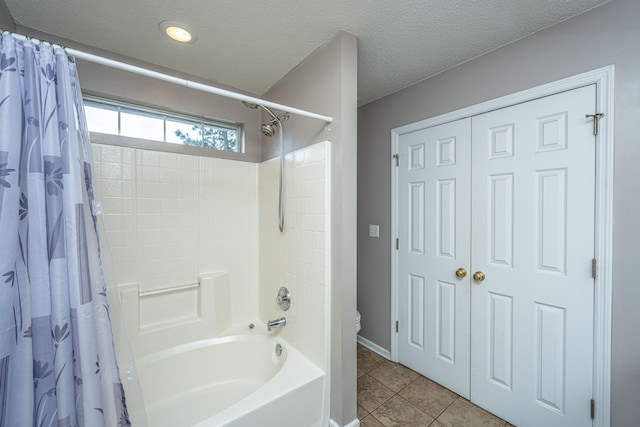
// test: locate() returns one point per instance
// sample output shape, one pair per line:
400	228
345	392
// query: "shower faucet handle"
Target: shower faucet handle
284	298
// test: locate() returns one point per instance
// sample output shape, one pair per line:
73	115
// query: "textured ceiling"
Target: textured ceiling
251	44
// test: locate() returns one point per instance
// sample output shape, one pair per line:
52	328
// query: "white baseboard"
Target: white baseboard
354	423
374	347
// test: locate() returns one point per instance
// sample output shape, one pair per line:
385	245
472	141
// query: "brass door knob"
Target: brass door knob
461	272
478	276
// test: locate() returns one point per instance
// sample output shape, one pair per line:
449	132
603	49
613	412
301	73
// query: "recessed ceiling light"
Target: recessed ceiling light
177	31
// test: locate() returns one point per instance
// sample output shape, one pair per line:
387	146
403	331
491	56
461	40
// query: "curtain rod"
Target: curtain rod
182	82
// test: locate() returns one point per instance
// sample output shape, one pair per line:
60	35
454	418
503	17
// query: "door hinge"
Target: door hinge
397	244
596	119
397	329
593	268
397	158
593	409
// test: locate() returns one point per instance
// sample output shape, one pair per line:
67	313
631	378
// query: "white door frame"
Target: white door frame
603	78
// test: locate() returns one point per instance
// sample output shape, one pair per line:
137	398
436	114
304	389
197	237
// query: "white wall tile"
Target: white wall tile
171	217
297	257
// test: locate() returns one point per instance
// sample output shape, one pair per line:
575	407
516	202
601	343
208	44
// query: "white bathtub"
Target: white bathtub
234	381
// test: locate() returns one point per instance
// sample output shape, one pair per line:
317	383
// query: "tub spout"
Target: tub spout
278	323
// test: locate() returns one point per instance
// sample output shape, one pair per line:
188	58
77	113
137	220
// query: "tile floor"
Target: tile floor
391	395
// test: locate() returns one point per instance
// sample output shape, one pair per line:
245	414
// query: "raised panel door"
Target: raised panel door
433	230
533	178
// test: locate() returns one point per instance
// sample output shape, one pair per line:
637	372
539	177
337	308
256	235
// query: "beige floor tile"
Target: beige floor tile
397	412
391	395
484	411
372	393
367	359
370	421
394	375
428	396
461	413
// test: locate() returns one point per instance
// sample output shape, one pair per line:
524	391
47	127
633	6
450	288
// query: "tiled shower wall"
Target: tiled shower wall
171	218
299	257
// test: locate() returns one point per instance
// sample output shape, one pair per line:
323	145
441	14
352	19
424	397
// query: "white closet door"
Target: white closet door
433	229
533	179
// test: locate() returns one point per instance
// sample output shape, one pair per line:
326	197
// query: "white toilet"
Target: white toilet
357	321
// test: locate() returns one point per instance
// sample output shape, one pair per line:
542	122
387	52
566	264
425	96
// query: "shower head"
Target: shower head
268	129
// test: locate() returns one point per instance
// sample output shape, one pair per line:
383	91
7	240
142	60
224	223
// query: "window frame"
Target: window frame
163	114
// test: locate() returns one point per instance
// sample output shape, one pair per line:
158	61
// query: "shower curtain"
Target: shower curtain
57	360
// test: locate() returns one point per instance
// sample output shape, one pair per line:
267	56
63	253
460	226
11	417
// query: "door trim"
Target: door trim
603	78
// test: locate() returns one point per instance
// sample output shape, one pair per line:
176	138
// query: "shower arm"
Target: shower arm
271	113
274	117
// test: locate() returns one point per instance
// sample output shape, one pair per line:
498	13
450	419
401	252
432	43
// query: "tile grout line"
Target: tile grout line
435	418
397	394
448	406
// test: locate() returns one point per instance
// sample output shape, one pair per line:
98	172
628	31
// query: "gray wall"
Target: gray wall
6	20
607	35
326	83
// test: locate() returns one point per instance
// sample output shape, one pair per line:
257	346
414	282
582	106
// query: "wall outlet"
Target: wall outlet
374	230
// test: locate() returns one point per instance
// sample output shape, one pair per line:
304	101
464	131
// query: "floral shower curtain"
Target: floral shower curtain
57	361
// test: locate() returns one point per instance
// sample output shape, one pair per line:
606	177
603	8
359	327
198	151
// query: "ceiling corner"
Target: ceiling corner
6	19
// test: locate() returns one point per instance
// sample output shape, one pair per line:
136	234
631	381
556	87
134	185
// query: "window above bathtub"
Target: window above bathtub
172	130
